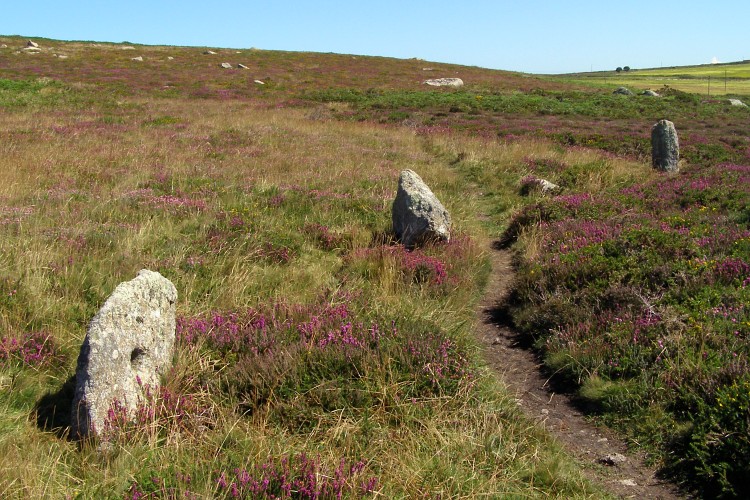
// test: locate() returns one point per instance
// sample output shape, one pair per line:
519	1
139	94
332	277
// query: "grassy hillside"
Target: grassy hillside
728	79
315	355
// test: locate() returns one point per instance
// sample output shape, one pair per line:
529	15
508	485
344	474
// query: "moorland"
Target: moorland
316	356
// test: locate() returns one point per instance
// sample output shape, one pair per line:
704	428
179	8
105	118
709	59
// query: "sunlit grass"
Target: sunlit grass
246	207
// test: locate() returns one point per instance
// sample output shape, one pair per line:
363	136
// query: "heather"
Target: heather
316	357
638	297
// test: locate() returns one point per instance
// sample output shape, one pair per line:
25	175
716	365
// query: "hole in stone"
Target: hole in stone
136	357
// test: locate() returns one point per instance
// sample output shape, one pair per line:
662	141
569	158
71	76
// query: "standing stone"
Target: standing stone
130	342
665	148
417	213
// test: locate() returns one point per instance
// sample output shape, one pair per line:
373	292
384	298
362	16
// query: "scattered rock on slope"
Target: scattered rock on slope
650	93
129	343
445	82
665	147
737	102
139	58
622	91
32	44
417	214
532	183
226	65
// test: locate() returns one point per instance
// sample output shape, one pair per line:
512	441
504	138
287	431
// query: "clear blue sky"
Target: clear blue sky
535	36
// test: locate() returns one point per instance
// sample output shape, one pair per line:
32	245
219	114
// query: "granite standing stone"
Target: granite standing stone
417	213
129	344
665	147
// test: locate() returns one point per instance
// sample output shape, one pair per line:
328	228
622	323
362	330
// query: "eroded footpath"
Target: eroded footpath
605	457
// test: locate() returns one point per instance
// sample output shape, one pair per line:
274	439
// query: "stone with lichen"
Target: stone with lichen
417	214
129	344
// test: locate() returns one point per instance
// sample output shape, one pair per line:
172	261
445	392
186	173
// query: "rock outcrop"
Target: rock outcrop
665	147
417	214
129	343
445	82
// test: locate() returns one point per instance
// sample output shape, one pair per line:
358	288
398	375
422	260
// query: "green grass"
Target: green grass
269	209
731	79
251	211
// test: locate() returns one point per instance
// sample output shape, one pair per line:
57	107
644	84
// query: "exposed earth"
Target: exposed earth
605	457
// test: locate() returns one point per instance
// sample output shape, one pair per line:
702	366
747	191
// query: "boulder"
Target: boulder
209	52
650	93
32	50
242	66
139	58
127	47
417	214
259	82
533	183
445	82
737	102
129	343
665	147
226	65
32	44
622	91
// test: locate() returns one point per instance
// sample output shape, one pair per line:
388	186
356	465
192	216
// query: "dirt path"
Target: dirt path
520	369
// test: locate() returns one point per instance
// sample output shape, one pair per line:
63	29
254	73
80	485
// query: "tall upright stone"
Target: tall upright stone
417	214
665	147
129	343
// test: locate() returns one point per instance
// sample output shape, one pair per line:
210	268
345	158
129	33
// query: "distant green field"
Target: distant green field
713	79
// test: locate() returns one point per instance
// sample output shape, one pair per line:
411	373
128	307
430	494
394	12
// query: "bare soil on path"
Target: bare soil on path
520	368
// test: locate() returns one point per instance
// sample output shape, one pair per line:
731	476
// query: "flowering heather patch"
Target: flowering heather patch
15	215
545	166
321	326
324	237
31	349
290	476
662	287
298	363
297	477
441	361
173	203
413	266
161	412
